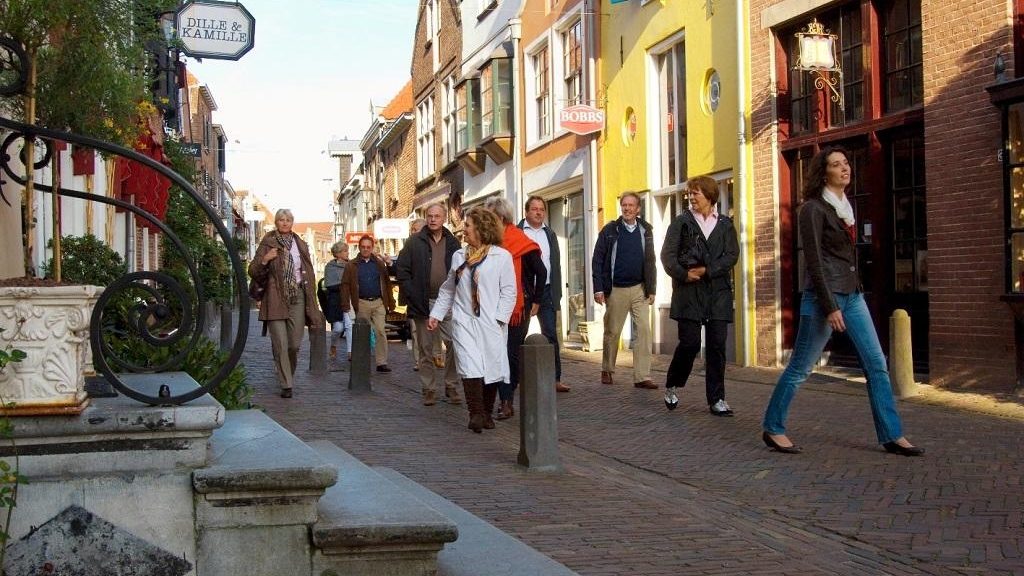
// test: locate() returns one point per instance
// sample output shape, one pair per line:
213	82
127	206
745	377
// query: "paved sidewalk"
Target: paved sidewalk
653	492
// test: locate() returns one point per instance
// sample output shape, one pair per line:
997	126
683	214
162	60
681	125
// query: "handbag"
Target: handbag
256	290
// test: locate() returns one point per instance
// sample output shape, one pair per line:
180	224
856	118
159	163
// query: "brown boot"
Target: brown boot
473	389
452	394
506	410
490	392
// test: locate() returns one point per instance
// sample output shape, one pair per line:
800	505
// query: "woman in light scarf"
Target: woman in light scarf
833	300
282	264
480	293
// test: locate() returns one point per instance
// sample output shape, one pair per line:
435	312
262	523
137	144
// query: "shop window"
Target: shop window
910	224
901	45
1015	201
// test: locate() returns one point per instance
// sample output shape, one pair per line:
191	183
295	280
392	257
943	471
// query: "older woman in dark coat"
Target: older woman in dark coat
699	253
283	265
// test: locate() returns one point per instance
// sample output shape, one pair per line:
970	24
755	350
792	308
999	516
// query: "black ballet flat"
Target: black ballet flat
778	448
894	448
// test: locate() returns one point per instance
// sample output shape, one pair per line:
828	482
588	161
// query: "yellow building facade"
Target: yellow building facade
674	81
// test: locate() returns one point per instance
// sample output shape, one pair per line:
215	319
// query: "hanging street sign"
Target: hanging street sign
214	29
581	119
391	229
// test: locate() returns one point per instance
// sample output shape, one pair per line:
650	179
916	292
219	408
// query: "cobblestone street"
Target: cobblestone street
650	492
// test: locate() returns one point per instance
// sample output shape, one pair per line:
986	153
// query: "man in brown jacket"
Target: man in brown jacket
366	289
282	265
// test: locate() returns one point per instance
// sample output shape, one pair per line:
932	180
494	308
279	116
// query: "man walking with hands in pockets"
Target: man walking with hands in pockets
624	277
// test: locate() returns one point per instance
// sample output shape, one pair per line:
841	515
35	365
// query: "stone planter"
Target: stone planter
51	325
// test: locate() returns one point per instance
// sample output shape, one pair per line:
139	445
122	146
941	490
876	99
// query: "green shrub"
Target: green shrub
87	260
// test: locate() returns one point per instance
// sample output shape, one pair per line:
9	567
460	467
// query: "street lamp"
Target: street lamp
817	55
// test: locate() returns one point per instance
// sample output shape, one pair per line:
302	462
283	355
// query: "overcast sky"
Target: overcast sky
315	68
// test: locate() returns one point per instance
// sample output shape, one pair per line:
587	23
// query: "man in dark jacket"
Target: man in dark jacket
550	300
422	268
624	275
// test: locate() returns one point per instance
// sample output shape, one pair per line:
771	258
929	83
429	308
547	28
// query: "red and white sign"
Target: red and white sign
581	119
353	237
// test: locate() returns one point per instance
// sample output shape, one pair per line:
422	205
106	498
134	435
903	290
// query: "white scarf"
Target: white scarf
842	205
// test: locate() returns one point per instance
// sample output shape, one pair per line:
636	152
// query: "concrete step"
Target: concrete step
481	548
369	526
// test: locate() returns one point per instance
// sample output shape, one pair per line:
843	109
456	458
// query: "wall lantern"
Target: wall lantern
817	55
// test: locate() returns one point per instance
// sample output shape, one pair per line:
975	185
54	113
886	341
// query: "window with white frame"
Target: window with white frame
467	114
541	92
425	138
448	122
496	97
572	62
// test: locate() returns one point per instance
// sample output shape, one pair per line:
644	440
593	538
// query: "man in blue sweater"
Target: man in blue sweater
624	281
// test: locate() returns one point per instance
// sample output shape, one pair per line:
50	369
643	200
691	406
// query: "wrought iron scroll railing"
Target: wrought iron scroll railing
162	312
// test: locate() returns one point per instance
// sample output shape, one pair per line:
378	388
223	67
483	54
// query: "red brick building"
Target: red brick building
437	54
912	106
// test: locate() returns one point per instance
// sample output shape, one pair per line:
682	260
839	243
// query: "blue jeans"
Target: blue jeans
811	338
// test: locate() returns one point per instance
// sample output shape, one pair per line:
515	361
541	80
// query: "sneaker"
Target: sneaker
720	408
671	400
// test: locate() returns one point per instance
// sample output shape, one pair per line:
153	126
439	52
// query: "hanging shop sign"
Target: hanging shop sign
212	29
391	229
581	119
353	237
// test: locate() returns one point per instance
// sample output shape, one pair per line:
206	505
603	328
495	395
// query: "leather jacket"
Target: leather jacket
830	258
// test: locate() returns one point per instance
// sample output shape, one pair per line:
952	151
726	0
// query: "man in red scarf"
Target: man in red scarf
531	276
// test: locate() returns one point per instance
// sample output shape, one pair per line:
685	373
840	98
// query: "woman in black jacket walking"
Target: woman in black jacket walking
699	253
833	301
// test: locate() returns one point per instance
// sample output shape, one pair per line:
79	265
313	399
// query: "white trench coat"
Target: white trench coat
480	341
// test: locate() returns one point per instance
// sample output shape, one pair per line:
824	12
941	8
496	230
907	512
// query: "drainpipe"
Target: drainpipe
515	31
741	179
590	224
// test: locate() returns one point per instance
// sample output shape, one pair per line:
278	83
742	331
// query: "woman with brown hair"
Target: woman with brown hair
480	293
282	264
833	301
699	254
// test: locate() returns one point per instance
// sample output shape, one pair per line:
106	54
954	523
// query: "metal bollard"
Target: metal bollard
226	321
317	350
538	409
359	370
901	355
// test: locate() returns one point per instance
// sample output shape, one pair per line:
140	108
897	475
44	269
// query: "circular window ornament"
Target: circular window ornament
712	91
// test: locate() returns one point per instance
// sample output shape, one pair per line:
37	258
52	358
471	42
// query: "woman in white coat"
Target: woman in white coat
480	292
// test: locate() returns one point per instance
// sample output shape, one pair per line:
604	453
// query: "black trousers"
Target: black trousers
714	361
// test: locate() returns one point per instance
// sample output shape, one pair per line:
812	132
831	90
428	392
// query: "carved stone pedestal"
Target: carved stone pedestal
51	325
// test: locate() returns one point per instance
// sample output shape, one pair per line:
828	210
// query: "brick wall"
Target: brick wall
971	331
428	83
766	225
